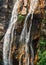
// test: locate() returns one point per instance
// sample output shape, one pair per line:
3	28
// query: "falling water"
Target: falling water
27	40
20	61
23	38
31	11
8	38
26	35
32	54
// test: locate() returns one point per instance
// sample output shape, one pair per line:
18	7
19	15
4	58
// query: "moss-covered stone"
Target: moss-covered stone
20	18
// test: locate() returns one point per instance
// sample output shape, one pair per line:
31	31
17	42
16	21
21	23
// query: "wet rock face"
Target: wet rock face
26	5
1	2
23	9
36	26
5	15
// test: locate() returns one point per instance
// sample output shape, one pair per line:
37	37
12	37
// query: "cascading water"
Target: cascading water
24	38
8	38
26	35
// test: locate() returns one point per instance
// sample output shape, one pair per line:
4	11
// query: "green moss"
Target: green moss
20	18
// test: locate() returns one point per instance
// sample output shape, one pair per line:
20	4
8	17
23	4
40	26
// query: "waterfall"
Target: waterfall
20	61
33	6
25	35
8	38
32	54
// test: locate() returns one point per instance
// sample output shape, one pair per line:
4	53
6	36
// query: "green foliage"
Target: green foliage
42	47
42	59
45	11
42	52
42	41
21	18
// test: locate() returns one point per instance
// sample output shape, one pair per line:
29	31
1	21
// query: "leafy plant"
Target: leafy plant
21	18
42	52
42	41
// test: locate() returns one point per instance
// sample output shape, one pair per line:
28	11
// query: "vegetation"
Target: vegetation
42	52
4	21
42	48
21	18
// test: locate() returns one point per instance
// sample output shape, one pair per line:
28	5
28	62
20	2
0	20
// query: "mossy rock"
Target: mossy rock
20	18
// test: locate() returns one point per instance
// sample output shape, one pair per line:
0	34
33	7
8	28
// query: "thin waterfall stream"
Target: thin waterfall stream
24	37
7	43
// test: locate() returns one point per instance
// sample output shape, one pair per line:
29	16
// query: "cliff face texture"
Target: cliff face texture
5	14
6	7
